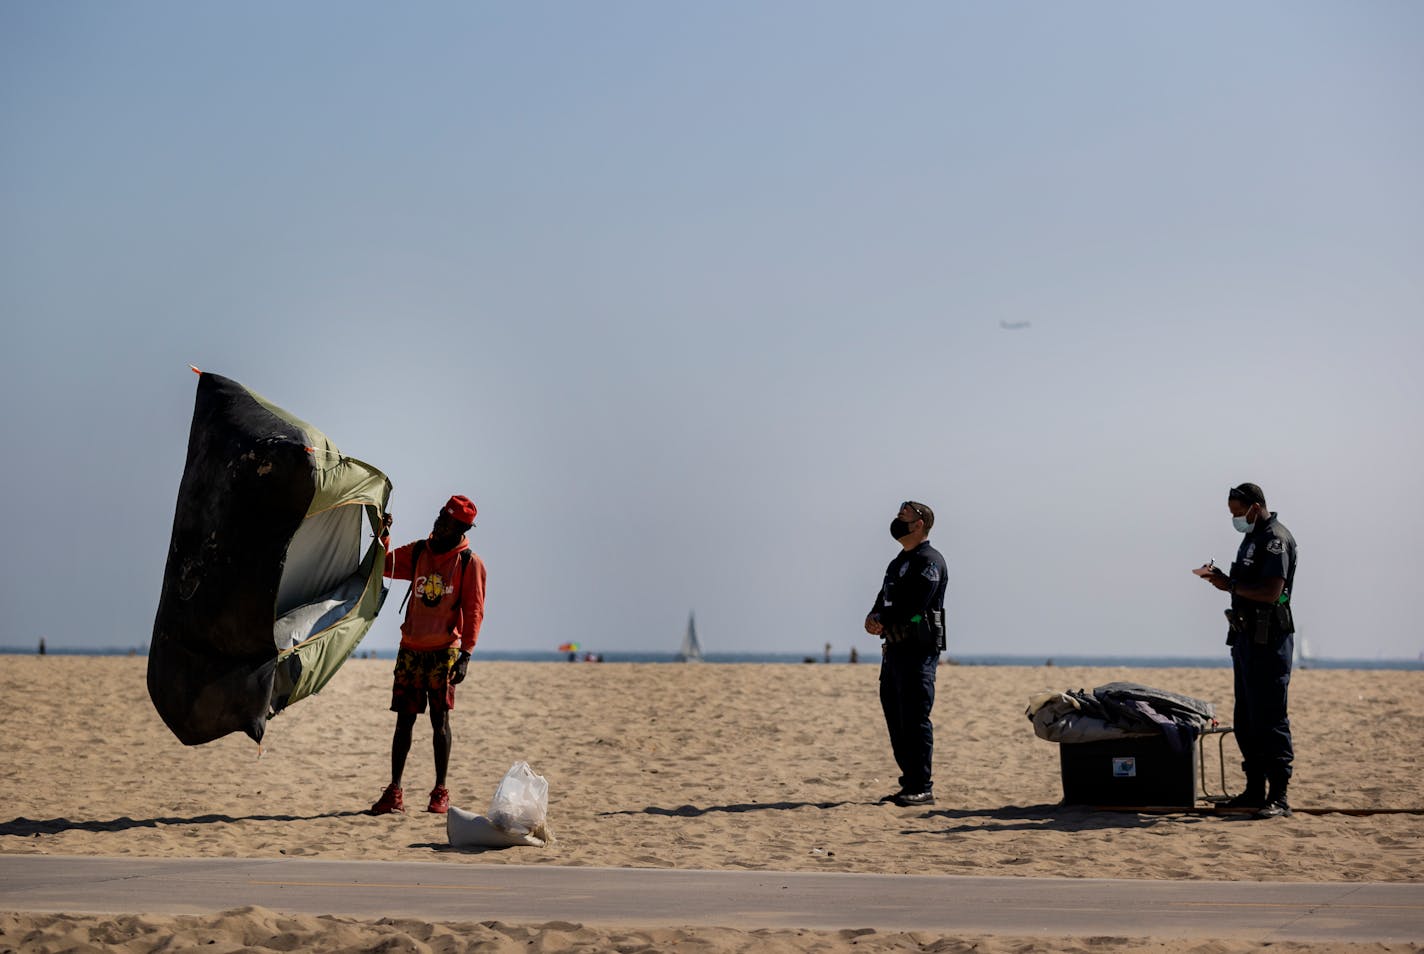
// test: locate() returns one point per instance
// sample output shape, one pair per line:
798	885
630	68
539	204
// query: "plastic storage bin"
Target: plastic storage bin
1129	772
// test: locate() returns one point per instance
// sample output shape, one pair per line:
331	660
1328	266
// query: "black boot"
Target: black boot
1276	805
1253	797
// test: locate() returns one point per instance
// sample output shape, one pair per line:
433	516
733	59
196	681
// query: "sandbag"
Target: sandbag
468	830
518	814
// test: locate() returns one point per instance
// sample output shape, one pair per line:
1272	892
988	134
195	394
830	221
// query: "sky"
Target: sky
689	297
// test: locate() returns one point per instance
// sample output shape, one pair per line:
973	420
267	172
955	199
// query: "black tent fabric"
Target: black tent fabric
252	476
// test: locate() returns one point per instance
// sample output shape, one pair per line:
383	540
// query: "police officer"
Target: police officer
909	616
1262	642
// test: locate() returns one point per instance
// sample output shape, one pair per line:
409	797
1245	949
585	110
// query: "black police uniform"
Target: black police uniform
1262	642
910	606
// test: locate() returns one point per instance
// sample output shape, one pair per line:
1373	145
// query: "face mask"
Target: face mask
899	528
1241	524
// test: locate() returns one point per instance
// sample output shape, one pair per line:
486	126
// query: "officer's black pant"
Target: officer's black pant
907	688
1262	675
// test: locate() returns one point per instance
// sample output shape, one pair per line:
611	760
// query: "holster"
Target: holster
1259	624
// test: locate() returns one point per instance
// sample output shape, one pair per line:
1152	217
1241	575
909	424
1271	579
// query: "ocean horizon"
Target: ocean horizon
1222	661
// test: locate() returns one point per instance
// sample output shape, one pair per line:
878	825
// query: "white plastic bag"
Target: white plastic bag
518	814
521	802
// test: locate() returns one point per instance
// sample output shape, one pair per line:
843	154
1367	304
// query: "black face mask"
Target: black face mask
899	528
443	544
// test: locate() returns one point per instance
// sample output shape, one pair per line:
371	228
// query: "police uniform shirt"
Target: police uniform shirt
915	582
1266	553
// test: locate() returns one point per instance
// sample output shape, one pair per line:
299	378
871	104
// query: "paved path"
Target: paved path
434	891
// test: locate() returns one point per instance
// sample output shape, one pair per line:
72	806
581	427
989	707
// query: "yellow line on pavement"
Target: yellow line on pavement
376	884
1333	905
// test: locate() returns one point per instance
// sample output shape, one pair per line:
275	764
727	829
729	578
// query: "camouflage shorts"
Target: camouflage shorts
422	676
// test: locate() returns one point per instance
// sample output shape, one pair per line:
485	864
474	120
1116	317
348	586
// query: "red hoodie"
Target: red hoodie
447	599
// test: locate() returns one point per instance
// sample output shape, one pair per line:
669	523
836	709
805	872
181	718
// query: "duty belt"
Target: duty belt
901	634
927	629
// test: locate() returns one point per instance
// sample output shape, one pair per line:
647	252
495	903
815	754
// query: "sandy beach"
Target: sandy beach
774	767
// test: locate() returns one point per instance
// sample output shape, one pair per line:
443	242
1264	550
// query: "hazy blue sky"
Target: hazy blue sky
689	297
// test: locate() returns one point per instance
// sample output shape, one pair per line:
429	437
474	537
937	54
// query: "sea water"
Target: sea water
866	657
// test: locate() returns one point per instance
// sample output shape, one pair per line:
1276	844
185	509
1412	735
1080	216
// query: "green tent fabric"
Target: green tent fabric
309	653
268	587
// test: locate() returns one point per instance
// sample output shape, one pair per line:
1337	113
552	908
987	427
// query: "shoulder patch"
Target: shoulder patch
931	573
1275	545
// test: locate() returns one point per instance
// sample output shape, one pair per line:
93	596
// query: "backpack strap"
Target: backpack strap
416	549
466	555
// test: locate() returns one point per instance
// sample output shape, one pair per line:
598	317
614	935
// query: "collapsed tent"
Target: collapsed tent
1119	710
267	590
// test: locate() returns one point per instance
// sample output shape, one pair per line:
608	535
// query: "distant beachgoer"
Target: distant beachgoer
828	652
1262	641
909	616
442	623
854	655
42	646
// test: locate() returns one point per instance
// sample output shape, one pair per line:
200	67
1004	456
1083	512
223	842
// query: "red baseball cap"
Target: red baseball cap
461	509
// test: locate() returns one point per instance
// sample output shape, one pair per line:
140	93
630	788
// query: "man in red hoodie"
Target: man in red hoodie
447	605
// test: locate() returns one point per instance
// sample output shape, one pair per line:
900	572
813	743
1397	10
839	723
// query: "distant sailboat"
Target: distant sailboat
1301	657
691	650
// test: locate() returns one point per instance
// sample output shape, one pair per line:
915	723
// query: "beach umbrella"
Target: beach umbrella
568	647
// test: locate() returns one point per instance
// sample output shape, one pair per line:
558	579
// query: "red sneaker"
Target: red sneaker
439	800
392	800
